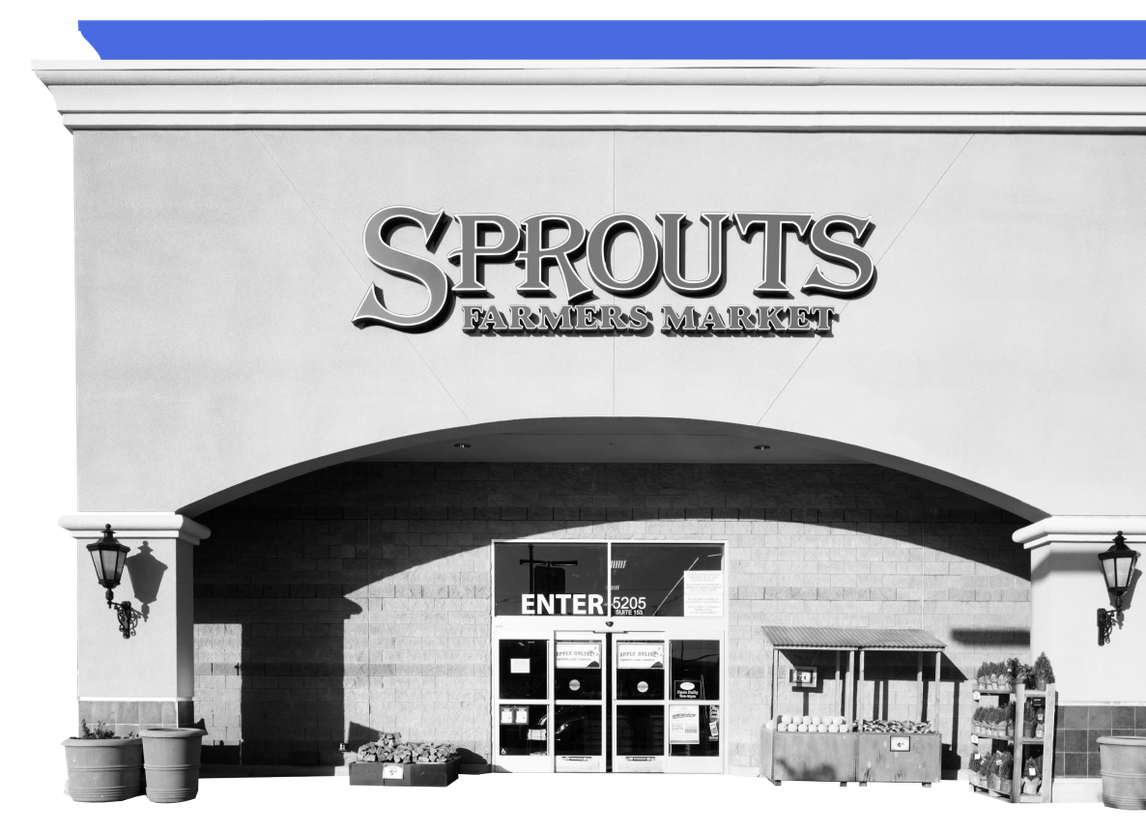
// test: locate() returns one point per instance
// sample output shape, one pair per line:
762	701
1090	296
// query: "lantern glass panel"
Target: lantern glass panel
1124	569
97	562
109	564
1109	573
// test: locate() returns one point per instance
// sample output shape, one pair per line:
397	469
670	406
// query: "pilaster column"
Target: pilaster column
1067	588
149	678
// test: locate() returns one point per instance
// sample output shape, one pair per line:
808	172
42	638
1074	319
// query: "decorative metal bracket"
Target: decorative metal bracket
127	616
1106	620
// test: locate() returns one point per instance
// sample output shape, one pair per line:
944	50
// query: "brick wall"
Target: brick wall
357	599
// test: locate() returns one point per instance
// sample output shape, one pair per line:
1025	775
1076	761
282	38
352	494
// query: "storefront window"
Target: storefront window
540	579
666	580
647	579
694	730
695	670
523	730
523	671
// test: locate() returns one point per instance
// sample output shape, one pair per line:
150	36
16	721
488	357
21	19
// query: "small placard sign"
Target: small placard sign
802	676
392	772
900	744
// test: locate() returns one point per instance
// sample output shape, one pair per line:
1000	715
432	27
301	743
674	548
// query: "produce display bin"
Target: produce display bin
885	751
876	761
409	775
807	757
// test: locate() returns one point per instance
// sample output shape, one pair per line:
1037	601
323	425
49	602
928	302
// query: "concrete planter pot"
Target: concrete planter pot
1123	771
103	770
171	758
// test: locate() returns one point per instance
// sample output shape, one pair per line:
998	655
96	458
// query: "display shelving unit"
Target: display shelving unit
1022	743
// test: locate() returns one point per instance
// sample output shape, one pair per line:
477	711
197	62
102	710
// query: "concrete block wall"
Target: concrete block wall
357	599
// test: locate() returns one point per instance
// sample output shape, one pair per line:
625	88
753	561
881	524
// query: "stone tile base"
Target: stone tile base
127	717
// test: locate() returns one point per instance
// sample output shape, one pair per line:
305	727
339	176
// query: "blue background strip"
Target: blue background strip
614	39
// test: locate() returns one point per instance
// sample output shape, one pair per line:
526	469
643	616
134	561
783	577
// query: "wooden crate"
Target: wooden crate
414	775
807	757
877	762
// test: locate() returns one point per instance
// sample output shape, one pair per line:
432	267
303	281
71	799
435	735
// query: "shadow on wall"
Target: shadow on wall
146	573
290	564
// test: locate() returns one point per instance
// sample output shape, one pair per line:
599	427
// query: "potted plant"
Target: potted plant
992	763
1025	675
996	721
1006	768
1030	717
982	677
1013	666
1032	775
999	676
974	769
1009	720
1044	673
102	767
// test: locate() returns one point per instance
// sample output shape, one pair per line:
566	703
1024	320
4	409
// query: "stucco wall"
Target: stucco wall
357	598
1066	589
228	265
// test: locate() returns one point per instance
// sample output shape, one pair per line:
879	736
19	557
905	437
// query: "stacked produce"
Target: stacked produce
884	726
390	748
810	724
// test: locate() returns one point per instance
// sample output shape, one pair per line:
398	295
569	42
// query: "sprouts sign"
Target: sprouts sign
558	253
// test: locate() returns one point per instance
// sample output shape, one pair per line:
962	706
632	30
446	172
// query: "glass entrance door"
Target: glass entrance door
639	703
579	694
627	702
666	703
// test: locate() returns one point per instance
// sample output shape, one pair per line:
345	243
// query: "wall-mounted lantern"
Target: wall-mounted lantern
1118	569
108	557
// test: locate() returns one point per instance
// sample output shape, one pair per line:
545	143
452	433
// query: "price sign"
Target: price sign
392	772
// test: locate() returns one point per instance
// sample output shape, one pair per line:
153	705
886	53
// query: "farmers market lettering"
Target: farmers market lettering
548	243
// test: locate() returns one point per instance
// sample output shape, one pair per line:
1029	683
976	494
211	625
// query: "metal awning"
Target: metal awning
831	637
857	642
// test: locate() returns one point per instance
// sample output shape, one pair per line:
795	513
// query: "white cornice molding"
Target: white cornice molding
929	96
157	525
1081	529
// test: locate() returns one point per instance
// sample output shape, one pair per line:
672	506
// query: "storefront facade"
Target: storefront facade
419	368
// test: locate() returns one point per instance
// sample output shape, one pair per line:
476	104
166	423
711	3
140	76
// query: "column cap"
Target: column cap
158	525
1081	529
